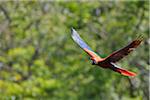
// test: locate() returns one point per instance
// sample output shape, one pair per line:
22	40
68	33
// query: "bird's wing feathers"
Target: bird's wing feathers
118	55
82	44
122	71
79	40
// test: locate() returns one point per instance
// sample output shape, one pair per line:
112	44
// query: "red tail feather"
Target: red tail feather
125	72
122	71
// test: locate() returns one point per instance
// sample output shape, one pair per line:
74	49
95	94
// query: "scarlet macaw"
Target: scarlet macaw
108	62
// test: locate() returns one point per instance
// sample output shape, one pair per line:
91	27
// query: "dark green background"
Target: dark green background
39	60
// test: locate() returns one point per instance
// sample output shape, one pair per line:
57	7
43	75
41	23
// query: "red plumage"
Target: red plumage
108	62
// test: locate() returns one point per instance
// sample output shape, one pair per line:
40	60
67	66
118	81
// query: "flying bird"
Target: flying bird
110	61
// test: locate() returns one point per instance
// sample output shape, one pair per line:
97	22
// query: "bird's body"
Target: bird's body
108	62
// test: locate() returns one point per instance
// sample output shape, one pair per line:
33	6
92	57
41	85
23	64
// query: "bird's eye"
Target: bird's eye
94	62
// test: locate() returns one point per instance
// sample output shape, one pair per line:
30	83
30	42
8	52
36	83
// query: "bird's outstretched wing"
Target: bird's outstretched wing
118	55
82	44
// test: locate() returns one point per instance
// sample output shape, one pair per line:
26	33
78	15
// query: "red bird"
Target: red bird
108	62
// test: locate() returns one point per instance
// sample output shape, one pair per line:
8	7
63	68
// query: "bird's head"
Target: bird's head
94	62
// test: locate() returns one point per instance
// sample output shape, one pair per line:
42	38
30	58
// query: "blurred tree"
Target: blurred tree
39	60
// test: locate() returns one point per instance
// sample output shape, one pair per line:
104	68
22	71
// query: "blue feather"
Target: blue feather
79	40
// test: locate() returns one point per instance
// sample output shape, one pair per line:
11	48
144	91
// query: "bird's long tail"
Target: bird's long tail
122	71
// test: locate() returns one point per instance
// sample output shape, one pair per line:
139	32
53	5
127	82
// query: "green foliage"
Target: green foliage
39	60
